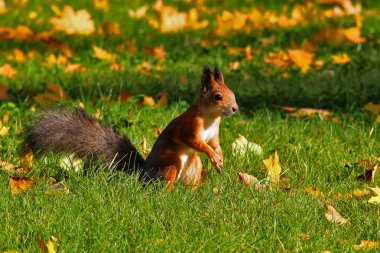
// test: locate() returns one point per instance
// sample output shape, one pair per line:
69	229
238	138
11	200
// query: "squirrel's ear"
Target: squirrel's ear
218	76
206	79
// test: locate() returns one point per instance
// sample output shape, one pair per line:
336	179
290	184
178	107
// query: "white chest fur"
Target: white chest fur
211	131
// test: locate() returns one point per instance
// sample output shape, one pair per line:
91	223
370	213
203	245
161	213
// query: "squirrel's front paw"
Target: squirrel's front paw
217	161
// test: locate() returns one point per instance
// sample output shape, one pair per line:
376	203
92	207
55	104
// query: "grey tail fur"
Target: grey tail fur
62	130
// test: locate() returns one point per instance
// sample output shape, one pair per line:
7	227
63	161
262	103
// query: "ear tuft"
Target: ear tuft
206	79
218	76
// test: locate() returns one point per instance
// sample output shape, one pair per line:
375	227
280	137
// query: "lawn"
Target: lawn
285	62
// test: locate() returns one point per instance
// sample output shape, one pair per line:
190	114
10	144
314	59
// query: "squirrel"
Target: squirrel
173	157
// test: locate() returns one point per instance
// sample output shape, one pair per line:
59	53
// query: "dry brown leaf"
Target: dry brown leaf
163	100
144	147
341	59
72	22
4	92
46	247
7	167
368	175
21	184
248	179
304	112
7	71
364	244
18	33
111	28
332	215
158	52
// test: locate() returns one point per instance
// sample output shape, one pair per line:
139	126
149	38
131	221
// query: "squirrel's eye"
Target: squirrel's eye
218	97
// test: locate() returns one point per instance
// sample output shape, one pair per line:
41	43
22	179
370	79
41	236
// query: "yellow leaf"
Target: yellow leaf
7	167
3	8
364	244
371	107
7	71
54	93
163	101
375	199
101	5
53	60
353	34
139	12
148	101
74	68
341	59
241	146
27	160
234	65
273	168
103	54
50	247
72	22
71	162
332	215
301	59
316	193
144	147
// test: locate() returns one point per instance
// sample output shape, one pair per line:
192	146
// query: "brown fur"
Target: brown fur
174	155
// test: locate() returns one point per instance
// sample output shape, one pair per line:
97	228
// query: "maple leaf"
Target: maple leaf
103	54
20	185
301	58
72	22
332	215
7	71
341	59
364	244
273	168
241	146
376	198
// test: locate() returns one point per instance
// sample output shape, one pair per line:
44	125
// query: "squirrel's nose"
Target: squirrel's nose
234	109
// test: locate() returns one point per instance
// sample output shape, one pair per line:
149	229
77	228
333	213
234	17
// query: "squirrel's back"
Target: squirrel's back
62	130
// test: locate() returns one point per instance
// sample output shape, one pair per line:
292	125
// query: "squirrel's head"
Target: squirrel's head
215	93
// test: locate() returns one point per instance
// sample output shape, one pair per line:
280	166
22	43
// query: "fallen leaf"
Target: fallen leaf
75	68
103	54
304	112
158	52
163	100
144	147
332	215
273	168
53	94
376	198
301	58
371	107
71	162
3	8
139	12
46	247
368	175
27	161
148	101
7	167
53	60
4	130
351	194
364	244
21	184
101	5
341	59
242	146
72	22
111	28
234	65
353	34
7	71
248	179
316	193
4	92
215	190
58	187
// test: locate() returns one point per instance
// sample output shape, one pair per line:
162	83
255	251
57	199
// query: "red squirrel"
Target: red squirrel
174	155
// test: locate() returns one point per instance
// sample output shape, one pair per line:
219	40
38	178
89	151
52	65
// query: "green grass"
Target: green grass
109	211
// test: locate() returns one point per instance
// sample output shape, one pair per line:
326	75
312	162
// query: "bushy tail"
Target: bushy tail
61	130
